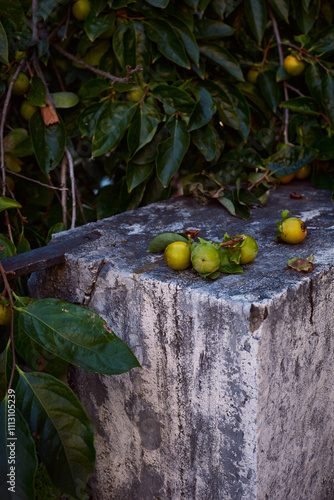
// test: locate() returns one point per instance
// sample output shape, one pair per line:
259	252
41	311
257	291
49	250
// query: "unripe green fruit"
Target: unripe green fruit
249	249
5	314
81	9
293	231
21	84
293	66
205	258
135	95
27	110
252	76
177	255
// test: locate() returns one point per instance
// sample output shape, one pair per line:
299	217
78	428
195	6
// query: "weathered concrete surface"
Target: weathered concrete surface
235	399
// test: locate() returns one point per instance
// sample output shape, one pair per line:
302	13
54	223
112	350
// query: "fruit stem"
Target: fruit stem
231	242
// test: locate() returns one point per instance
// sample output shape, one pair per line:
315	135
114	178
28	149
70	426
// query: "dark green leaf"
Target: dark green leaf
210	30
99	5
231	268
63	431
192	3
269	88
143	127
7	248
18	460
37	95
44	9
42	47
327	96
228	204
5	366
306	18
206	141
124	44
187	38
136	174
325	146
76	335
202	5
289	160
203	111
64	99
55	229
324	41
281	7
247	157
87	119
48	142
254	96
7	203
171	152
2	88
97	25
14	12
93	88
313	79
111	125
233	108
223	58
256	15
305	105
3	46
175	98
160	242
168	43
158	3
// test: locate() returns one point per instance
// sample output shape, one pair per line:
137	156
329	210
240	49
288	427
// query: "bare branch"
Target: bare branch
63	186
71	170
36	182
10	297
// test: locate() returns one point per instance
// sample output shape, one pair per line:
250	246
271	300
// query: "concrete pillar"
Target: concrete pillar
235	397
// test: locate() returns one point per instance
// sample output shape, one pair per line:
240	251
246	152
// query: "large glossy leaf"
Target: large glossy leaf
223	58
203	111
175	98
124	44
205	140
7	203
289	160
13	11
313	79
7	248
219	7
269	88
37	95
247	157
44	9
64	434
209	29
161	241
48	142
324	41
87	119
18	460
256	14
187	38
76	335
143	127
306	18
3	46
111	125
327	96
136	174
233	108
168	43
65	99
281	7
304	105
171	152
97	25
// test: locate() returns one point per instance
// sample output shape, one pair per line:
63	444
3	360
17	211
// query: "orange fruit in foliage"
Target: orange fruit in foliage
303	172
293	66
287	178
81	9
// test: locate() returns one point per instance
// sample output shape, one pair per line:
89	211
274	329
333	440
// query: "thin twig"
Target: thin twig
56	70
34	6
36	182
113	78
231	242
2	126
78	197
71	170
10	297
263	177
297	91
63	185
285	88
266	50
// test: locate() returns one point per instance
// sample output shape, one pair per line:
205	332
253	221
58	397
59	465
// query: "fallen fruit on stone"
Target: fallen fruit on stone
303	172
5	313
205	258
291	229
293	66
177	255
249	249
287	178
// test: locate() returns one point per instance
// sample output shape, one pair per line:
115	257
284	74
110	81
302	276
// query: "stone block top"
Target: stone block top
124	239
